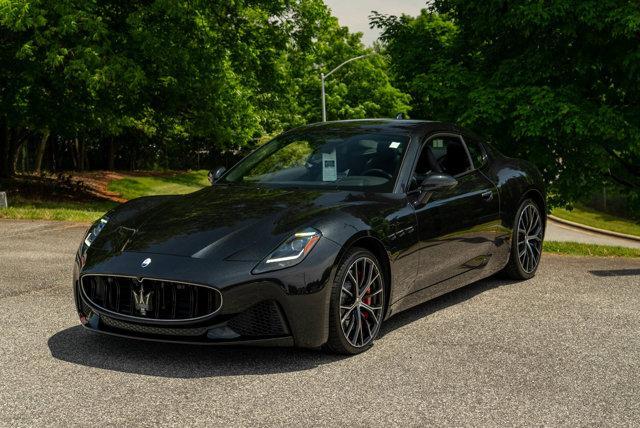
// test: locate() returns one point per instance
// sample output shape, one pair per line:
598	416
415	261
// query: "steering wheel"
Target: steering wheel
378	172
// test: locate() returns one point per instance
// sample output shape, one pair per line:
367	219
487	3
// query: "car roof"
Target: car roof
391	126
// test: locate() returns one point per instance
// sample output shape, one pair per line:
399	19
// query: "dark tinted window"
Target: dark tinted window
443	154
477	152
450	155
324	159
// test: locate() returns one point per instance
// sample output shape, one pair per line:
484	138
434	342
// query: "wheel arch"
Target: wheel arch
510	203
538	198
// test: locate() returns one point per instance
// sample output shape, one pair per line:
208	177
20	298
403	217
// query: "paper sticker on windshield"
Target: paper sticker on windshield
394	145
329	167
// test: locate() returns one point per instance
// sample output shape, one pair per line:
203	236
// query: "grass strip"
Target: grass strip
580	249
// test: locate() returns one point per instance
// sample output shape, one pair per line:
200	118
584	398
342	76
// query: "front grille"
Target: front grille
262	319
151	298
145	329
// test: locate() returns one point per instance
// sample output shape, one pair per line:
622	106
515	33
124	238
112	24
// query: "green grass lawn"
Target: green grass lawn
128	188
172	184
45	210
598	219
578	249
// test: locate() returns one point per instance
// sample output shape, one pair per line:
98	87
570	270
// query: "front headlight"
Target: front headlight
93	233
290	252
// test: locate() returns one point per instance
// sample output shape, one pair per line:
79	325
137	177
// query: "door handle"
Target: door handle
487	196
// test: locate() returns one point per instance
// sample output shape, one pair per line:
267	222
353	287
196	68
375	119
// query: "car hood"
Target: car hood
221	222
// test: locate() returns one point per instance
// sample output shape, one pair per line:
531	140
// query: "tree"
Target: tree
555	82
156	80
167	71
361	89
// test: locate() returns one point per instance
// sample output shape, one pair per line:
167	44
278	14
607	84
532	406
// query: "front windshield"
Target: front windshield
359	161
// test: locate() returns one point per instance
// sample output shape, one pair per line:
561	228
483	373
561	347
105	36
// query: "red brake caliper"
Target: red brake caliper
367	301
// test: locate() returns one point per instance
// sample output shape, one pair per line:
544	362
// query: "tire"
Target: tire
527	236
348	337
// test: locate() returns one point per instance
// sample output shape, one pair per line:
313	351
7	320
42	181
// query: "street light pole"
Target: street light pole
324	106
323	77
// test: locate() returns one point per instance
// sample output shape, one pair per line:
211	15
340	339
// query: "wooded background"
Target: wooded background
169	84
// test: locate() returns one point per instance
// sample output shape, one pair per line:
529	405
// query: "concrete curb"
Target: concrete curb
594	229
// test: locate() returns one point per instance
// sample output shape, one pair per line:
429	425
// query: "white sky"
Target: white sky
355	13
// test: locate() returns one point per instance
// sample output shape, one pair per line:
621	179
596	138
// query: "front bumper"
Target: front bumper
281	308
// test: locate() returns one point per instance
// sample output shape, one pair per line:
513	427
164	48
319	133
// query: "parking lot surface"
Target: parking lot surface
562	348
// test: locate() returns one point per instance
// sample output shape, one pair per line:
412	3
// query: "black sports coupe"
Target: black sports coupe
314	239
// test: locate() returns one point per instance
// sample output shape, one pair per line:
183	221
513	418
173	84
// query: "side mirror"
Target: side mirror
435	182
215	174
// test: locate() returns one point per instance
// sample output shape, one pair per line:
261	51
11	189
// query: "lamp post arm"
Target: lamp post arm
324	105
345	63
323	77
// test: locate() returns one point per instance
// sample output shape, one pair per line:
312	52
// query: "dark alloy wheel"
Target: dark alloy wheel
357	303
526	246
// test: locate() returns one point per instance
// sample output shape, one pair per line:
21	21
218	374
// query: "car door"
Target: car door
456	226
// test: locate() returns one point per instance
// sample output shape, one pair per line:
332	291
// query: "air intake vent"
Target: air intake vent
151	299
262	319
155	330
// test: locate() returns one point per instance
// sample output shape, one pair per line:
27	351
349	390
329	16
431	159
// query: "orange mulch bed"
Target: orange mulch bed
71	186
96	183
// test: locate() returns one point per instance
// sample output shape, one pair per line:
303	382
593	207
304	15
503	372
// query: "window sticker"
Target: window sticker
329	167
394	145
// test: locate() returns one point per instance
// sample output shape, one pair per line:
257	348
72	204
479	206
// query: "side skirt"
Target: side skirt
437	290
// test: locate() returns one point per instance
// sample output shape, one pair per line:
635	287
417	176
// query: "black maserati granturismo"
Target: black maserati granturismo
314	239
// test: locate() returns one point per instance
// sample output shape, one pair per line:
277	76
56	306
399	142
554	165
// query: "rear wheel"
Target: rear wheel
357	303
526	242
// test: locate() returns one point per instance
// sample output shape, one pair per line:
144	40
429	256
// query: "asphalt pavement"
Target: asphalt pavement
560	349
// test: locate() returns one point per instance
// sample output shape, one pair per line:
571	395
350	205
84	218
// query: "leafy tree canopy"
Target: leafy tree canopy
167	76
556	82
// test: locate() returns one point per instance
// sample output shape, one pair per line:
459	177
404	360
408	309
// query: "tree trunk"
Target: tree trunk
15	144
132	156
80	155
85	161
111	160
24	156
4	150
40	152
14	154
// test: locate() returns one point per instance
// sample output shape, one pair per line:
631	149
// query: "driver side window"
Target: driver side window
451	155
441	154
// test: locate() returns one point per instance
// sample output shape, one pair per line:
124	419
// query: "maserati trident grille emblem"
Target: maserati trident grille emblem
142	301
146	262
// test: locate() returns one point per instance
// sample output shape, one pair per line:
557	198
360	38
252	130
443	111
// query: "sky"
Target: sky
355	13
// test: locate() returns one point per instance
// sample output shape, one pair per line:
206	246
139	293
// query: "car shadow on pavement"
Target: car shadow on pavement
442	302
615	272
78	346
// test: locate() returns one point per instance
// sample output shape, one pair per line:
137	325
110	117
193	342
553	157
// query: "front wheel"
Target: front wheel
526	242
357	303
